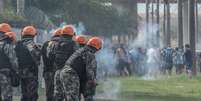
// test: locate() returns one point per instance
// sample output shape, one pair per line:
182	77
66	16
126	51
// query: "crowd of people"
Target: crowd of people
69	64
141	61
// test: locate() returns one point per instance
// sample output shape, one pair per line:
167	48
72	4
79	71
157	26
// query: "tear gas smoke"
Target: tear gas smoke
80	29
110	89
152	64
106	60
106	68
147	40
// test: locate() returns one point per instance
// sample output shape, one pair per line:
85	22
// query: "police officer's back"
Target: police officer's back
48	51
28	53
66	46
49	69
8	65
64	49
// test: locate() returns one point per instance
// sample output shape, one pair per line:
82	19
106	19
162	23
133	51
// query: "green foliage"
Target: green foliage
97	18
9	14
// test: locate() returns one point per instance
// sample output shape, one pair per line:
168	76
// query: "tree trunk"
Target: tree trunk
132	6
168	24
180	23
152	24
164	25
147	22
197	21
192	31
1	6
20	7
158	23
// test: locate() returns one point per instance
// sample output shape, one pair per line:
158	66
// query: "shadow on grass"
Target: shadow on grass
143	96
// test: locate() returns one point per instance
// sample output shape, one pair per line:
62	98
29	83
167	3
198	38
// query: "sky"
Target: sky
173	8
142	8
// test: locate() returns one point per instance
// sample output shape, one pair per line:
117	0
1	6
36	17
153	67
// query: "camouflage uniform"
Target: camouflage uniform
70	75
8	65
91	67
28	54
49	67
1	36
63	50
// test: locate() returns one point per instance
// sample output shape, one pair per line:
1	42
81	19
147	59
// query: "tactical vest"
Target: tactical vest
76	61
51	49
49	56
63	50
4	60
28	54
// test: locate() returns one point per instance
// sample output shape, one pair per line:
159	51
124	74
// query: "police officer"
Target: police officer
80	64
4	27
69	75
48	60
28	53
8	64
63	50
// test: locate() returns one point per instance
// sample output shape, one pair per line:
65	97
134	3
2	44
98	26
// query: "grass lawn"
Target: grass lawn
175	88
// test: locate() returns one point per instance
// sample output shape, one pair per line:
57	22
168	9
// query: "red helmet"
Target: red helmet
81	39
95	42
4	27
29	30
68	30
57	32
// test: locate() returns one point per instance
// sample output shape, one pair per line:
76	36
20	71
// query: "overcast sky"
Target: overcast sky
142	8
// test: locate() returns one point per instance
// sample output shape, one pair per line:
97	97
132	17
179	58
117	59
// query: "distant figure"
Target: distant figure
123	62
138	60
178	60
162	63
188	60
168	55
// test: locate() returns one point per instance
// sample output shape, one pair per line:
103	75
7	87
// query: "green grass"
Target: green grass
175	88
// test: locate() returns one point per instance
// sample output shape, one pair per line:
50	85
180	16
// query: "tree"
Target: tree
180	23
168	23
197	20
164	24
97	18
147	19
1	6
158	23
20	7
192	31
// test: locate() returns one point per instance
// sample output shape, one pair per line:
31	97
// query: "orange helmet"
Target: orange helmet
4	27
29	30
57	32
95	42
68	30
81	39
11	35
